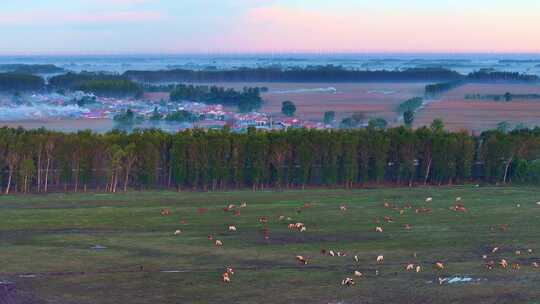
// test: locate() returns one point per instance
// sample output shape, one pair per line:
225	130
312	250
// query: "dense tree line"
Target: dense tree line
43	161
14	82
297	74
247	99
495	76
101	84
432	90
435	89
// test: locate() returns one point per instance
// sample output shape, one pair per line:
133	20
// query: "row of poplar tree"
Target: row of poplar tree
45	161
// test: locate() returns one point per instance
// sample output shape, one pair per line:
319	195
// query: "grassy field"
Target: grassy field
48	255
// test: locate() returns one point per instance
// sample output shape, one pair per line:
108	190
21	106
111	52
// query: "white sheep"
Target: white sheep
347	282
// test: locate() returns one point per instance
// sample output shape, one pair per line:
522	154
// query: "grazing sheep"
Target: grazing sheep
409	267
226	277
343	208
301	260
529	250
418	269
408	227
165	212
378	229
484	256
429	199
263	219
490	265
232	228
219	243
518	252
495	249
503	263
356	258
281	217
303	229
380	259
439	265
423	210
231	206
535	265
210	237
331	253
388	219
516	266
357	273
458	199
178	232
459	208
347	282
243	205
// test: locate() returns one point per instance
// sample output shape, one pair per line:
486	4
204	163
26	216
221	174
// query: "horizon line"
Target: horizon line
268	53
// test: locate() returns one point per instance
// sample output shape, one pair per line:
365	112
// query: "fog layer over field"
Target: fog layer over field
33	112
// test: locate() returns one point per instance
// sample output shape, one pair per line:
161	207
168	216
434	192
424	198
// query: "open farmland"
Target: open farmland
101	248
313	99
478	115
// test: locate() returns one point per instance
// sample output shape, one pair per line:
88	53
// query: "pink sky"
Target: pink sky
224	26
280	28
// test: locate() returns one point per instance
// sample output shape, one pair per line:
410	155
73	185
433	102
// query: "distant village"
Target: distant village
78	105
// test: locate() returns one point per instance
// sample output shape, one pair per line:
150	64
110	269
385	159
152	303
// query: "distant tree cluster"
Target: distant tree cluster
288	108
100	84
247	100
495	76
412	105
14	82
45	161
435	89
